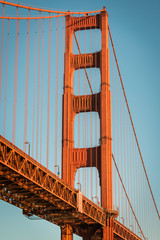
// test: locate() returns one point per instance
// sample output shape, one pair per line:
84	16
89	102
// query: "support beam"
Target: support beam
66	232
108	230
86	103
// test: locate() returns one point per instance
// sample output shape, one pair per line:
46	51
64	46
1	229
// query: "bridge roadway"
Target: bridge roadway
28	185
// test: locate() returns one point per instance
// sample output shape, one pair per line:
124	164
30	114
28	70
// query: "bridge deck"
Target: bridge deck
30	186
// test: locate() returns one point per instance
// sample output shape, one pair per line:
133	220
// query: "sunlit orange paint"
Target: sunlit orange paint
73	158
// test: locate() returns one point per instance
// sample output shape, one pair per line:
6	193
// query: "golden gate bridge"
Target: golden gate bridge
69	153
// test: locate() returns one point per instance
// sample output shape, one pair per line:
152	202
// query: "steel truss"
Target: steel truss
28	185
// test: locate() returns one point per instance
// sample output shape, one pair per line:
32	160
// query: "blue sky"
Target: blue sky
136	35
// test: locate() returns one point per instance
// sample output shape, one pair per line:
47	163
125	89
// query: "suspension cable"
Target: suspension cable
38	90
2	40
31	18
34	88
132	120
56	92
84	68
15	82
127	195
48	103
6	81
26	84
42	93
48	11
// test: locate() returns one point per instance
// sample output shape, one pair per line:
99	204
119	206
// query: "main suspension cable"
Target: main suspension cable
48	11
31	18
132	121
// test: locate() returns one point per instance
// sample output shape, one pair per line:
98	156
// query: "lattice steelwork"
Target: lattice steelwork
28	185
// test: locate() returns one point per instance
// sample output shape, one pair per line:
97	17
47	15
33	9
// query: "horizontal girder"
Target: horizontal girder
28	185
24	176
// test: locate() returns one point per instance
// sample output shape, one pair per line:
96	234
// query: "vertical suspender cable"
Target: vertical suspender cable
79	130
74	87
26	85
147	212
127	197
87	188
96	108
56	93
117	148
127	166
78	133
84	120
121	126
91	121
34	87
6	82
113	112
84	131
48	105
130	170
135	179
15	81
42	94
133	125
133	175
141	194
124	150
138	189
2	39
63	27
84	115
39	54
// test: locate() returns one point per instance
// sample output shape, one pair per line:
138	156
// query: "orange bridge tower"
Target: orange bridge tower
73	158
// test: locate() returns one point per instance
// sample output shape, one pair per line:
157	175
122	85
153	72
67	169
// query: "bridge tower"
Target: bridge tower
73	158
